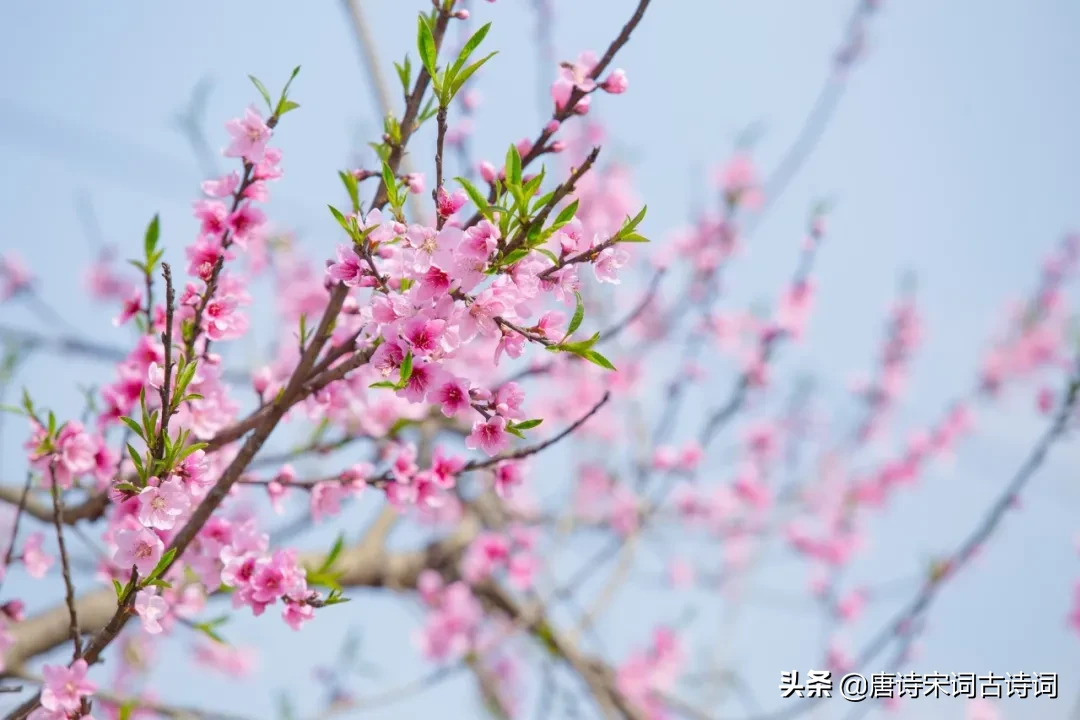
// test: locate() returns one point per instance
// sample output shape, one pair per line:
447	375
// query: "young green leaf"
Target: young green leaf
332	556
579	315
404	72
595	357
425	44
262	91
477	198
134	427
566	215
150	240
459	79
162	565
472	44
528	424
286	106
288	84
340	218
513	166
406	370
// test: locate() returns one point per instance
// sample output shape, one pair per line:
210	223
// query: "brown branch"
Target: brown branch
90	509
166	339
23	496
65	565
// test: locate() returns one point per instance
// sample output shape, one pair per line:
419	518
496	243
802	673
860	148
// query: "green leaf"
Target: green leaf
285	90
342	221
404	72
335	551
136	458
548	254
477	198
633	238
513	257
533	185
528	424
513	166
547	638
425	44
406	370
134	427
286	106
262	91
162	565
150	240
631	224
472	44
209	631
384	384
597	358
391	185
459	80
579	347
119	590
579	315
566	215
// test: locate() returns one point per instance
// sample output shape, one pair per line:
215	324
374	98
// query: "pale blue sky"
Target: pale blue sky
953	154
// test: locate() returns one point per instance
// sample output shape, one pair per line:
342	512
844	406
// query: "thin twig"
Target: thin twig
65	565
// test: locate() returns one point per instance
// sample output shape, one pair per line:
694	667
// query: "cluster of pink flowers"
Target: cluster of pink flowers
75	453
453	620
903	337
513	552
646	676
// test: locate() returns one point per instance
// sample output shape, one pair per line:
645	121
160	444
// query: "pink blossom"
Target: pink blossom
452	393
326	499
64	688
348	268
249	136
141	548
151	609
450	203
163	505
295	614
35	559
490	436
223	186
507	475
131	307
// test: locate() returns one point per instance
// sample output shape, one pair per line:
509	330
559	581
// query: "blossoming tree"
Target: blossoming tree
432	355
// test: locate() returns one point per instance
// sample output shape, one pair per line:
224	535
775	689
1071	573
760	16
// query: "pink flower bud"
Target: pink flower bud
13	609
261	380
487	171
616	83
415	181
462	14
558	146
552	127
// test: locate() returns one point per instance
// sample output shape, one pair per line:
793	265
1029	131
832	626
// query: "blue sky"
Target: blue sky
953	154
